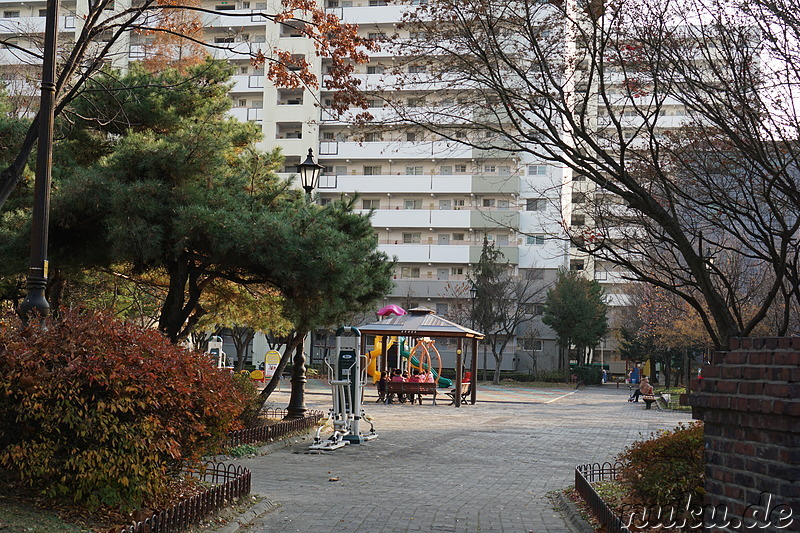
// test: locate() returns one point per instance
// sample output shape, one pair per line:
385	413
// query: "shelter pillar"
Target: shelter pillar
474	387
459	368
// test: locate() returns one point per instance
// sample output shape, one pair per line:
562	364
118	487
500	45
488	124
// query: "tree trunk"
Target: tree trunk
10	176
171	319
272	384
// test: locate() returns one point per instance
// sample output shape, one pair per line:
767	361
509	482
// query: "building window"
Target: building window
537	170
413	171
373	137
489	169
536	240
578	197
458	204
488	202
10	14
533	345
371	204
535	204
375	69
441	309
417	69
457	271
374	170
576	264
409	272
460	169
458	236
535	274
412	204
578	220
324	201
411	238
411	137
578	176
223	40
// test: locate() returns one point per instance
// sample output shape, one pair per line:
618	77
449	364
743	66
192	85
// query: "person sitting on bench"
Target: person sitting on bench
644	389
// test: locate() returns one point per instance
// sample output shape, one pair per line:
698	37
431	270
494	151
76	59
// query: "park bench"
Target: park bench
465	390
409	389
649	400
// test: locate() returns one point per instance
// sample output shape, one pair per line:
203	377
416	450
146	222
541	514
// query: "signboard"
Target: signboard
271	361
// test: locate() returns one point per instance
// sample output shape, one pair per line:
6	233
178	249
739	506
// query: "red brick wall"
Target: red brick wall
749	400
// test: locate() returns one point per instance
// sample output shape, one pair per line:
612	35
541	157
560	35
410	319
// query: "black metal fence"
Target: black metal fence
230	482
587	474
270	432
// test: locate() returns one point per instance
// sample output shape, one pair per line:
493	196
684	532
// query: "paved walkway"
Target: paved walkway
480	468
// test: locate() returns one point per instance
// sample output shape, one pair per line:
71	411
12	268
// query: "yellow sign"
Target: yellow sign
271	360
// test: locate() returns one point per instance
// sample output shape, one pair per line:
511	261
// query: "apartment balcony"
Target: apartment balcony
247	84
393	150
453	254
241	18
450	219
247	114
371	14
33	25
430	288
391	116
420	184
234	51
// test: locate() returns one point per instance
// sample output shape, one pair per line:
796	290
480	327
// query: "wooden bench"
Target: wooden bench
649	400
465	390
410	389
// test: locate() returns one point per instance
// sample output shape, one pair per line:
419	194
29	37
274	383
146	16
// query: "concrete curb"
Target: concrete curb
243	519
572	516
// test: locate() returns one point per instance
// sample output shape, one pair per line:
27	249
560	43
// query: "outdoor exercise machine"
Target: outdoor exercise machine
347	376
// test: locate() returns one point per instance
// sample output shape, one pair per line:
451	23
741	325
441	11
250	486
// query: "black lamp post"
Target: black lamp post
309	171
309	177
35	301
473	292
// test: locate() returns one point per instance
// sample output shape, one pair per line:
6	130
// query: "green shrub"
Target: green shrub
666	469
590	375
105	412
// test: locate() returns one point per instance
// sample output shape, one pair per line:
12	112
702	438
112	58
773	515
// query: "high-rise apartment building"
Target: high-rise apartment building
434	201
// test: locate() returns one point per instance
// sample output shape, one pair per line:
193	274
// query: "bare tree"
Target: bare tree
103	28
504	302
675	123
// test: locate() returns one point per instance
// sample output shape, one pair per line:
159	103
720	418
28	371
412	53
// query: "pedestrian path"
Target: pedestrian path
478	468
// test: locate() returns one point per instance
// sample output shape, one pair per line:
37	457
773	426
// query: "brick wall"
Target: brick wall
749	400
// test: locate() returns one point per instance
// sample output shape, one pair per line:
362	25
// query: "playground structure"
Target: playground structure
418	358
347	376
422	322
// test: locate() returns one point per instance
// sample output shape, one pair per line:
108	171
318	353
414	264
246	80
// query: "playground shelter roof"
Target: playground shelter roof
419	322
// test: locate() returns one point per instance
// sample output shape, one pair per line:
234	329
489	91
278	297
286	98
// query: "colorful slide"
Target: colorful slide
372	362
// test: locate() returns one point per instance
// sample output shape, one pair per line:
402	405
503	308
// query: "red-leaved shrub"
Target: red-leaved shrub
103	411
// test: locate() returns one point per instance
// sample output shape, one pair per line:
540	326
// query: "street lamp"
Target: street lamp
473	293
35	301
309	171
309	177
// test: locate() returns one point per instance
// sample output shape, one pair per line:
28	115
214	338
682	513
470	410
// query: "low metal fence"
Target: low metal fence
587	474
269	432
230	482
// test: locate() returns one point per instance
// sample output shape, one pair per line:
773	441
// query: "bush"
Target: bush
590	375
104	411
667	469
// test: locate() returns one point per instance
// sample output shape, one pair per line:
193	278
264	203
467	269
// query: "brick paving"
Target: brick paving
479	468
